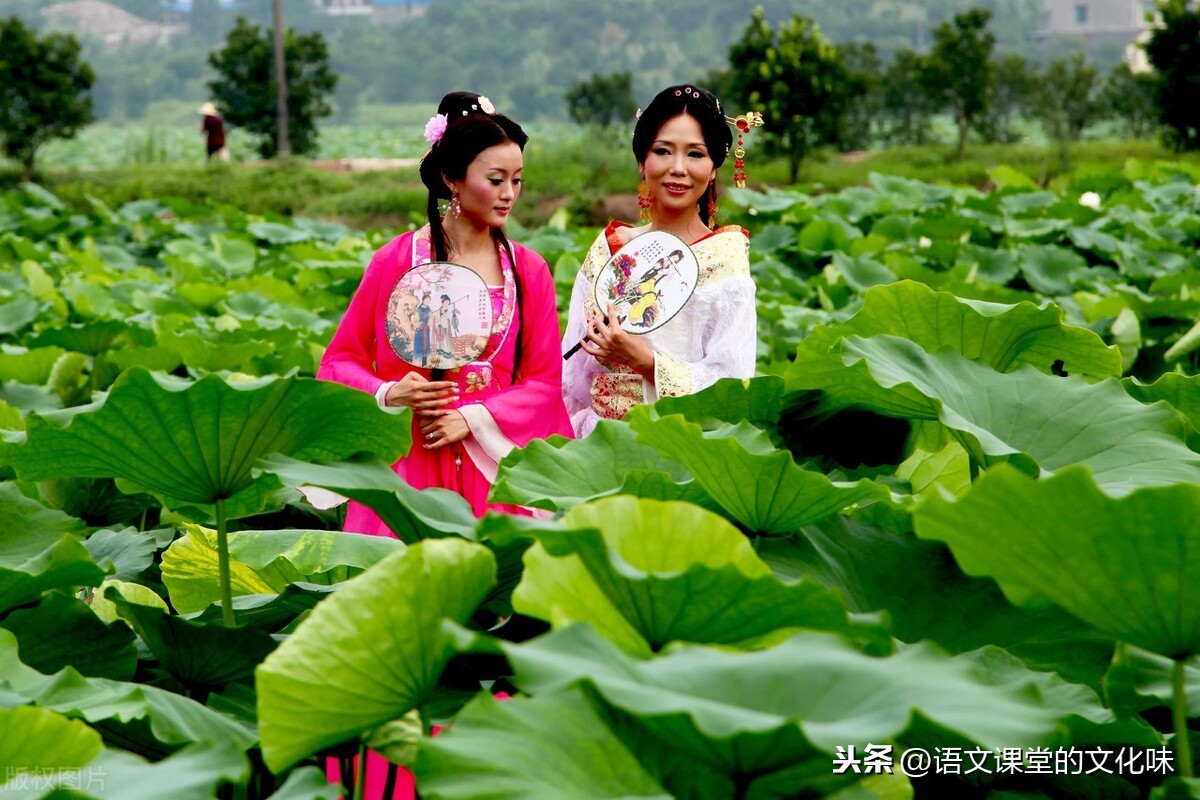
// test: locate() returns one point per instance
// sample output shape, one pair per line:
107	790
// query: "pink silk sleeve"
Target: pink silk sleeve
533	408
350	357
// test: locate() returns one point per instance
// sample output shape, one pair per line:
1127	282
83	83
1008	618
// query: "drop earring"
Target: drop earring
644	200
453	209
712	205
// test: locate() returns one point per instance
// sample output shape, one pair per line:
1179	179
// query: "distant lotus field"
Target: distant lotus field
945	544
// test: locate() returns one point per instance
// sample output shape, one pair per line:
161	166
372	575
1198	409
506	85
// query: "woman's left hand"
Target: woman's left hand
610	342
440	428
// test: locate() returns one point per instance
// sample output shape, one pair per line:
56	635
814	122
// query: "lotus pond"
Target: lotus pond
945	544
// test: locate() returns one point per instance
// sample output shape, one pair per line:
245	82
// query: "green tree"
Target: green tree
797	80
1128	98
602	100
1010	95
45	90
905	108
865	71
1066	98
245	87
957	71
1174	52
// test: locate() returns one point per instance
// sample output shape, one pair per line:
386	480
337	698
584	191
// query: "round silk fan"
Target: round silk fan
439	317
647	281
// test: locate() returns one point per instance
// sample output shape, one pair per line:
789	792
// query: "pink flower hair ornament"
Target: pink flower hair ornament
435	128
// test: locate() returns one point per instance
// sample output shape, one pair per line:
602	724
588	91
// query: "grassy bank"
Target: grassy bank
564	167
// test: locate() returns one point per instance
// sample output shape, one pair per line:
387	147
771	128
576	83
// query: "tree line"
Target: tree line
846	97
814	94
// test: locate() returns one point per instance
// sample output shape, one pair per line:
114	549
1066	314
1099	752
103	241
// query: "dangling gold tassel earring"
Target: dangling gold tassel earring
644	201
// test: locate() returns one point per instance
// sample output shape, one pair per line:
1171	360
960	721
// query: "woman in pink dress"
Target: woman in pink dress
466	422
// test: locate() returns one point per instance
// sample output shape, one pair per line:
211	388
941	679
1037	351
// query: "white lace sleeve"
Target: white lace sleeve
579	369
726	347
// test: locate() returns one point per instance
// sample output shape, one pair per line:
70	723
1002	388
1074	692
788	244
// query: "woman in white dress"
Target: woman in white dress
679	142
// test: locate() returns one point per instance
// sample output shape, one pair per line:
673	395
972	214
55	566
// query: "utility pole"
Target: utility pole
283	142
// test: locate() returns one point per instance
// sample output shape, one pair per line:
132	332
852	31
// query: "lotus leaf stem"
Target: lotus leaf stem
223	566
1183	746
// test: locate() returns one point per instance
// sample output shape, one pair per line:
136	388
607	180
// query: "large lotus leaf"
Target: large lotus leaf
28	366
197	771
1181	391
927	597
1087	719
758	401
1039	422
754	484
758	715
264	562
1139	680
62	631
198	442
1002	336
557	473
173	719
106	609
412	514
1125	565
130	550
1051	270
40	741
646	573
553	748
197	654
89	337
370	652
40	549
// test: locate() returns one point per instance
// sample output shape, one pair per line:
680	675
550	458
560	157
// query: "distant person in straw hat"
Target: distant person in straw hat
213	128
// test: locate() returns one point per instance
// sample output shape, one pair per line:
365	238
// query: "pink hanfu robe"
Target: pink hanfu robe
501	412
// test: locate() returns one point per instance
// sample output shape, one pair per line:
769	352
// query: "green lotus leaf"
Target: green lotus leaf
558	473
662	572
1181	391
130	551
197	654
27	527
504	751
106	610
928	598
1051	270
754	484
172	718
772	238
1083	713
761	715
370	652
758	401
1038	422
1139	680
1001	336
859	272
277	233
1123	565
28	366
412	514
89	337
198	442
40	549
17	313
264	562
193	772
40	741
62	631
